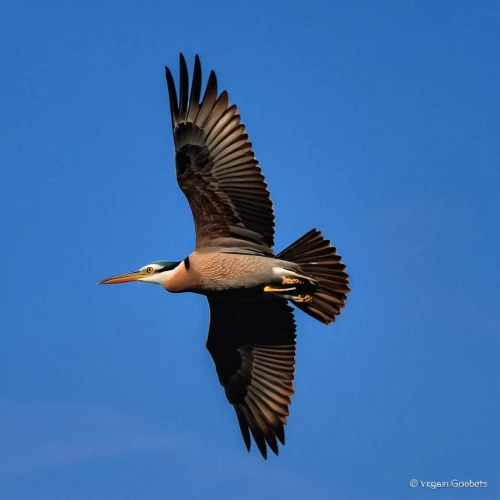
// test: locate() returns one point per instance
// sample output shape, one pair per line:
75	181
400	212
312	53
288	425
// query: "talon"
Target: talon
290	281
302	298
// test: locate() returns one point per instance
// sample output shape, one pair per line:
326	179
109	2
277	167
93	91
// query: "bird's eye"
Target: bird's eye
149	270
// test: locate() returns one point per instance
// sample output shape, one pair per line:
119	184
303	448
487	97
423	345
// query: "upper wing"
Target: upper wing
252	343
217	169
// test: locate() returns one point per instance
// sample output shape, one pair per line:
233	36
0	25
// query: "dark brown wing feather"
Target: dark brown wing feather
252	343
217	169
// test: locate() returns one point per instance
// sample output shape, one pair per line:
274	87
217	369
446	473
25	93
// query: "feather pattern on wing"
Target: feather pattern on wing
217	169
252	343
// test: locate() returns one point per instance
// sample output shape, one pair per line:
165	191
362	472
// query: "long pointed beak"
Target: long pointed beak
122	278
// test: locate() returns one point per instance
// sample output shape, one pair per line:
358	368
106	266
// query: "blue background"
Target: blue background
376	122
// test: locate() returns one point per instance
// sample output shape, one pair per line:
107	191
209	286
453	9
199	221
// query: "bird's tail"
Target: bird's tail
320	261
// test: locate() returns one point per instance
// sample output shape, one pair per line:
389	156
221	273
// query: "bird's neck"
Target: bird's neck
178	279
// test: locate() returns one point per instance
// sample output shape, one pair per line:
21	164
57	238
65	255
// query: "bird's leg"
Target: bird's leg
270	289
285	281
285	291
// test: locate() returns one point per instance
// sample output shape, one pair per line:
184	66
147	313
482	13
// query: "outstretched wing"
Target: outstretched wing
217	169
252	343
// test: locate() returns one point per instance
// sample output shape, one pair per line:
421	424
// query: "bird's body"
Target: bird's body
215	272
252	329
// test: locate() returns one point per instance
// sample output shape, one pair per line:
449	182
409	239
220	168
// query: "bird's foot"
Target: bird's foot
301	298
291	281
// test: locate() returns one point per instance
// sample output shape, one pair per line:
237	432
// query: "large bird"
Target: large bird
249	289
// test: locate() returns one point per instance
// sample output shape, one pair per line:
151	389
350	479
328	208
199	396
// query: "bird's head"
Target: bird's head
157	272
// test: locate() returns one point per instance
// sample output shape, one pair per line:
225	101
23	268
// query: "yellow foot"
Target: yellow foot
270	289
303	298
290	281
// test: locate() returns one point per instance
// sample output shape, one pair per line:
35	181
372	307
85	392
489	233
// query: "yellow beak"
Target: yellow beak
122	278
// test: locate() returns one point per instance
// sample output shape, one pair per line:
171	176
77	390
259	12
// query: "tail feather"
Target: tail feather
319	260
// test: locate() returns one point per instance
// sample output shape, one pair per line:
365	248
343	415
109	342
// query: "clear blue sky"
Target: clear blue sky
376	122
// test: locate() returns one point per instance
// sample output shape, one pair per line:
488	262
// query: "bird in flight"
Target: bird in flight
249	289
